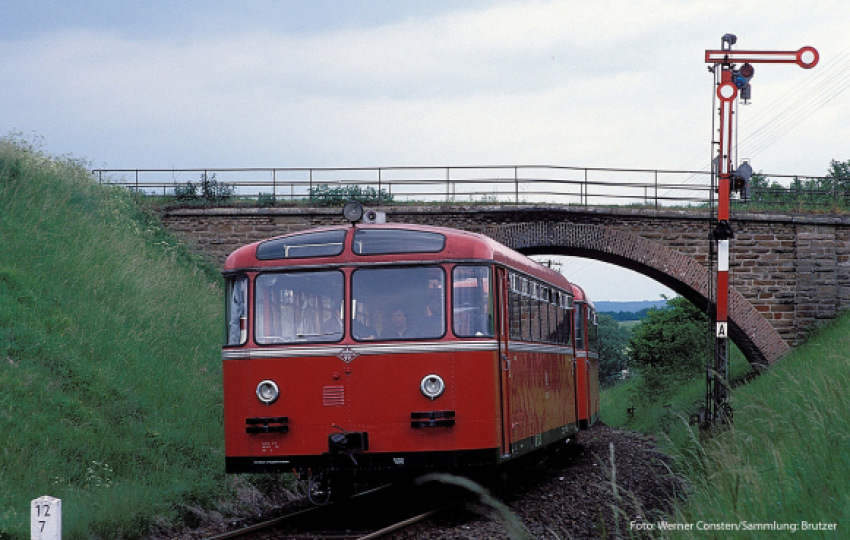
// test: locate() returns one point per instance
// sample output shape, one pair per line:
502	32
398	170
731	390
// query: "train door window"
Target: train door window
472	301
515	307
535	311
544	313
525	317
553	317
592	330
236	310
398	303
579	318
299	307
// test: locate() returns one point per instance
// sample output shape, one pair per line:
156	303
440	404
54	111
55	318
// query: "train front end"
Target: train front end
360	352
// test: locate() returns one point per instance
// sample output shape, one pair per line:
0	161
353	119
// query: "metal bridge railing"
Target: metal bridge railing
505	184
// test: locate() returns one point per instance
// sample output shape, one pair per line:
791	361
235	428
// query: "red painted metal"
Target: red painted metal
505	396
805	57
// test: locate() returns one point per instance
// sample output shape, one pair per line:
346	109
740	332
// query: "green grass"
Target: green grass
110	378
651	414
785	459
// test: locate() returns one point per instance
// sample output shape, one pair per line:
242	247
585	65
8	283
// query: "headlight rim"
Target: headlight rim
432	395
268	382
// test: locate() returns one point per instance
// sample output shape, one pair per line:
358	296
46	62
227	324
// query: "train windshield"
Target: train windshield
398	303
299	307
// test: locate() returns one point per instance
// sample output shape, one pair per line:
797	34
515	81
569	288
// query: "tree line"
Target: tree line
828	192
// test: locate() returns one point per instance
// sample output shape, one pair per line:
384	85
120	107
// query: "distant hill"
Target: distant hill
628	307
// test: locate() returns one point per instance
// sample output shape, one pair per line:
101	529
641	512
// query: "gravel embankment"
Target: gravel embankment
572	496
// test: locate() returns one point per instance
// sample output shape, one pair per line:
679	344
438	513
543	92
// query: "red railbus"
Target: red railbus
361	351
587	358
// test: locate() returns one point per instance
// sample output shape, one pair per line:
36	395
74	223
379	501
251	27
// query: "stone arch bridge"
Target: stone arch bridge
787	272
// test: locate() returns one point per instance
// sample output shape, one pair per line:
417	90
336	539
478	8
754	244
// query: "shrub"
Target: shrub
209	190
325	195
669	347
266	199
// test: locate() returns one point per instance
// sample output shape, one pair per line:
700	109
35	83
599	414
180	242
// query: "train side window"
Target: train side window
472	301
564	320
236	310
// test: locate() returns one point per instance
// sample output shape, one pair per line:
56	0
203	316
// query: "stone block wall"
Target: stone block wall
794	270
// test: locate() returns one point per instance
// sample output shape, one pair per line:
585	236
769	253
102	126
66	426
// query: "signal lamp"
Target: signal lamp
741	180
741	78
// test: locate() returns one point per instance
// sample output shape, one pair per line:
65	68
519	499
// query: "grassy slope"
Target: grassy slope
110	394
786	457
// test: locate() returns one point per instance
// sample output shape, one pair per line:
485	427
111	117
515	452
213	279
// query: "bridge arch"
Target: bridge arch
755	337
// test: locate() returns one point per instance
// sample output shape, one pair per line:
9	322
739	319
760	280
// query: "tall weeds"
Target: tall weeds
785	459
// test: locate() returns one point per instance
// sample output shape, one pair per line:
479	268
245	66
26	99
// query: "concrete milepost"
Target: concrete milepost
732	82
46	518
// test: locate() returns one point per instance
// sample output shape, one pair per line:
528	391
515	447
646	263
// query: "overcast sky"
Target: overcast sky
621	83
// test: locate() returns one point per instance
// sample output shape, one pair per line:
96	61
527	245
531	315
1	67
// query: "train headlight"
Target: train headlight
268	392
432	386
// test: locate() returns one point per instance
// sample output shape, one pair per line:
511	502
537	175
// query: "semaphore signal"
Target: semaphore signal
733	83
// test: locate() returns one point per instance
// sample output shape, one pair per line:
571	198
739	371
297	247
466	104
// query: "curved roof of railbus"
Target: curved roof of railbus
580	296
460	245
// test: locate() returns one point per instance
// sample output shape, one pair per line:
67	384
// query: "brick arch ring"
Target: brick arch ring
753	334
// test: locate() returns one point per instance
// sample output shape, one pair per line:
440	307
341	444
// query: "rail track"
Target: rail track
373	514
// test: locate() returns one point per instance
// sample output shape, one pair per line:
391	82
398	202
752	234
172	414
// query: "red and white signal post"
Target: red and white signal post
733	82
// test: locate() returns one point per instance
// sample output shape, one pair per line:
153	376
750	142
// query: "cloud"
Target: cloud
603	83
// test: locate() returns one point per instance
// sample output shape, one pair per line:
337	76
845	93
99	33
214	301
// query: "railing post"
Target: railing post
274	185
310	194
379	185
583	190
516	186
656	190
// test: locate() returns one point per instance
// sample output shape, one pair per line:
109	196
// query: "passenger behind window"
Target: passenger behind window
362	331
332	326
432	322
397	328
